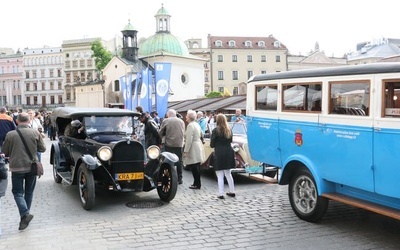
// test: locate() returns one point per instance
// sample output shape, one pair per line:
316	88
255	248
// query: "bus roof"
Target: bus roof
372	68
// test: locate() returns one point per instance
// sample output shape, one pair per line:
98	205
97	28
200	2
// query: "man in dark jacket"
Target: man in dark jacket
22	179
150	131
6	124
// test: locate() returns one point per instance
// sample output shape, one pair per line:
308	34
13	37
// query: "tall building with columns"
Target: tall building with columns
11	72
42	84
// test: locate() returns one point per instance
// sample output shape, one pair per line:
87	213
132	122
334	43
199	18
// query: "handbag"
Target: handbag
36	166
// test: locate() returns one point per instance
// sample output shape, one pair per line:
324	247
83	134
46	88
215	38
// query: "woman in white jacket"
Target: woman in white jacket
193	152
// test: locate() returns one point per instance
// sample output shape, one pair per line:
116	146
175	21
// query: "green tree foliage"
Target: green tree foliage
101	55
214	94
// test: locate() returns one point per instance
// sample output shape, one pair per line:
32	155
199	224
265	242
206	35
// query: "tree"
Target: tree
101	55
214	94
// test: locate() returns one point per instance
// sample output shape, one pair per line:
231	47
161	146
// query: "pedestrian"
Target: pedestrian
238	117
224	156
202	121
3	180
150	131
193	153
22	179
35	123
6	124
172	131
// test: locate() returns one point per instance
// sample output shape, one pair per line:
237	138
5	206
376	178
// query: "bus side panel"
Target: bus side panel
263	139
387	162
345	155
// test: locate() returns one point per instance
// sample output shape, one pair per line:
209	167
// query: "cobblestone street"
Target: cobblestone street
259	217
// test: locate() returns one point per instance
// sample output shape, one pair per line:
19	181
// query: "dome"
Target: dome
163	42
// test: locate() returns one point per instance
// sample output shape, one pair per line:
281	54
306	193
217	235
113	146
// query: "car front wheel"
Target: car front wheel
56	177
86	187
304	198
167	183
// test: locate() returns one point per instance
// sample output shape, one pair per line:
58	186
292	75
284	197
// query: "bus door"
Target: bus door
262	132
347	136
387	142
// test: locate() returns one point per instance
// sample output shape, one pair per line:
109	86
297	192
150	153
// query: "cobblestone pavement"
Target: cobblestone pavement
260	217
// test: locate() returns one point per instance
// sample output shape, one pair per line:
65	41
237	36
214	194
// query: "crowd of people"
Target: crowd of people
172	133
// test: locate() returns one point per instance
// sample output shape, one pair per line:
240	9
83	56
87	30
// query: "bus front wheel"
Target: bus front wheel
304	199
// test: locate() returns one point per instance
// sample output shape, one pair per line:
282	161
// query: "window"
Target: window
42	73
249	58
51	85
43	86
349	98
89	63
89	76
249	74
302	97
28	100
263	58
218	43
59	85
82	63
83	77
220	58
27	74
35	86
67	64
261	44
52	99
27	86
234	58
232	43
60	99
277	58
391	99
267	97
247	44
221	89
235	90
234	75
34	74
59	72
74	64
116	85
51	73
68	77
220	75
35	100
263	72
44	100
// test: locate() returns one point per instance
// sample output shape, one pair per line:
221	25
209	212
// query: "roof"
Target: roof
216	103
371	68
68	112
163	42
240	42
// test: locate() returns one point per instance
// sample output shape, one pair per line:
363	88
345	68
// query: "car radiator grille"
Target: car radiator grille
127	158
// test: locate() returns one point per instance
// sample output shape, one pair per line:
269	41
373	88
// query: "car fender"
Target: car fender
55	152
169	158
91	162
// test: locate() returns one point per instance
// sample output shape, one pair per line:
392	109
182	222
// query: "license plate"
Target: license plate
129	176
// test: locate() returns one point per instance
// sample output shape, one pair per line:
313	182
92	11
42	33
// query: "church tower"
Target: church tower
129	43
163	20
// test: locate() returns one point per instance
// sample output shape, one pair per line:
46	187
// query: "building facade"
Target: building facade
11	78
235	59
43	78
79	66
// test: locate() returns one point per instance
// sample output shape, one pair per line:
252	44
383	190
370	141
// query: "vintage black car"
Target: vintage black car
95	148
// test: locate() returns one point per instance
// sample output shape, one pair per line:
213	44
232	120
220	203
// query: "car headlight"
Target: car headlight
235	147
153	152
104	153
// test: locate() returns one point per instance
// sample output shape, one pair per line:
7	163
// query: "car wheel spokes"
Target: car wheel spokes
166	180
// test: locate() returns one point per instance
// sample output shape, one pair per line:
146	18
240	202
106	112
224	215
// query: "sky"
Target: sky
337	25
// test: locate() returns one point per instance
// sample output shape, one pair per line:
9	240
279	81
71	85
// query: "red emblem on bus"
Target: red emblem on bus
298	138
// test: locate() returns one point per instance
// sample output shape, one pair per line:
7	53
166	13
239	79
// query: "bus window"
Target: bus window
392	99
304	97
266	97
349	98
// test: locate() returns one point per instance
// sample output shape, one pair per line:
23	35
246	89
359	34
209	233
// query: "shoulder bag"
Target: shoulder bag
36	166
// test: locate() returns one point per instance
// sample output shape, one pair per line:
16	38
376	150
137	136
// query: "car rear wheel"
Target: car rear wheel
167	183
56	163
304	198
86	187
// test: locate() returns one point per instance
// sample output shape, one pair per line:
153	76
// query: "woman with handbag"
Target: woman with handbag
22	155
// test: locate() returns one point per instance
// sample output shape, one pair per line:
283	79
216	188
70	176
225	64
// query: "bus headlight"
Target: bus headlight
153	152
104	153
235	147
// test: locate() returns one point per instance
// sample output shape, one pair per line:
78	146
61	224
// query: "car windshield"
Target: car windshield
95	124
238	128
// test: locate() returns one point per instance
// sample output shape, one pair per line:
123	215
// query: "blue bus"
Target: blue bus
333	133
